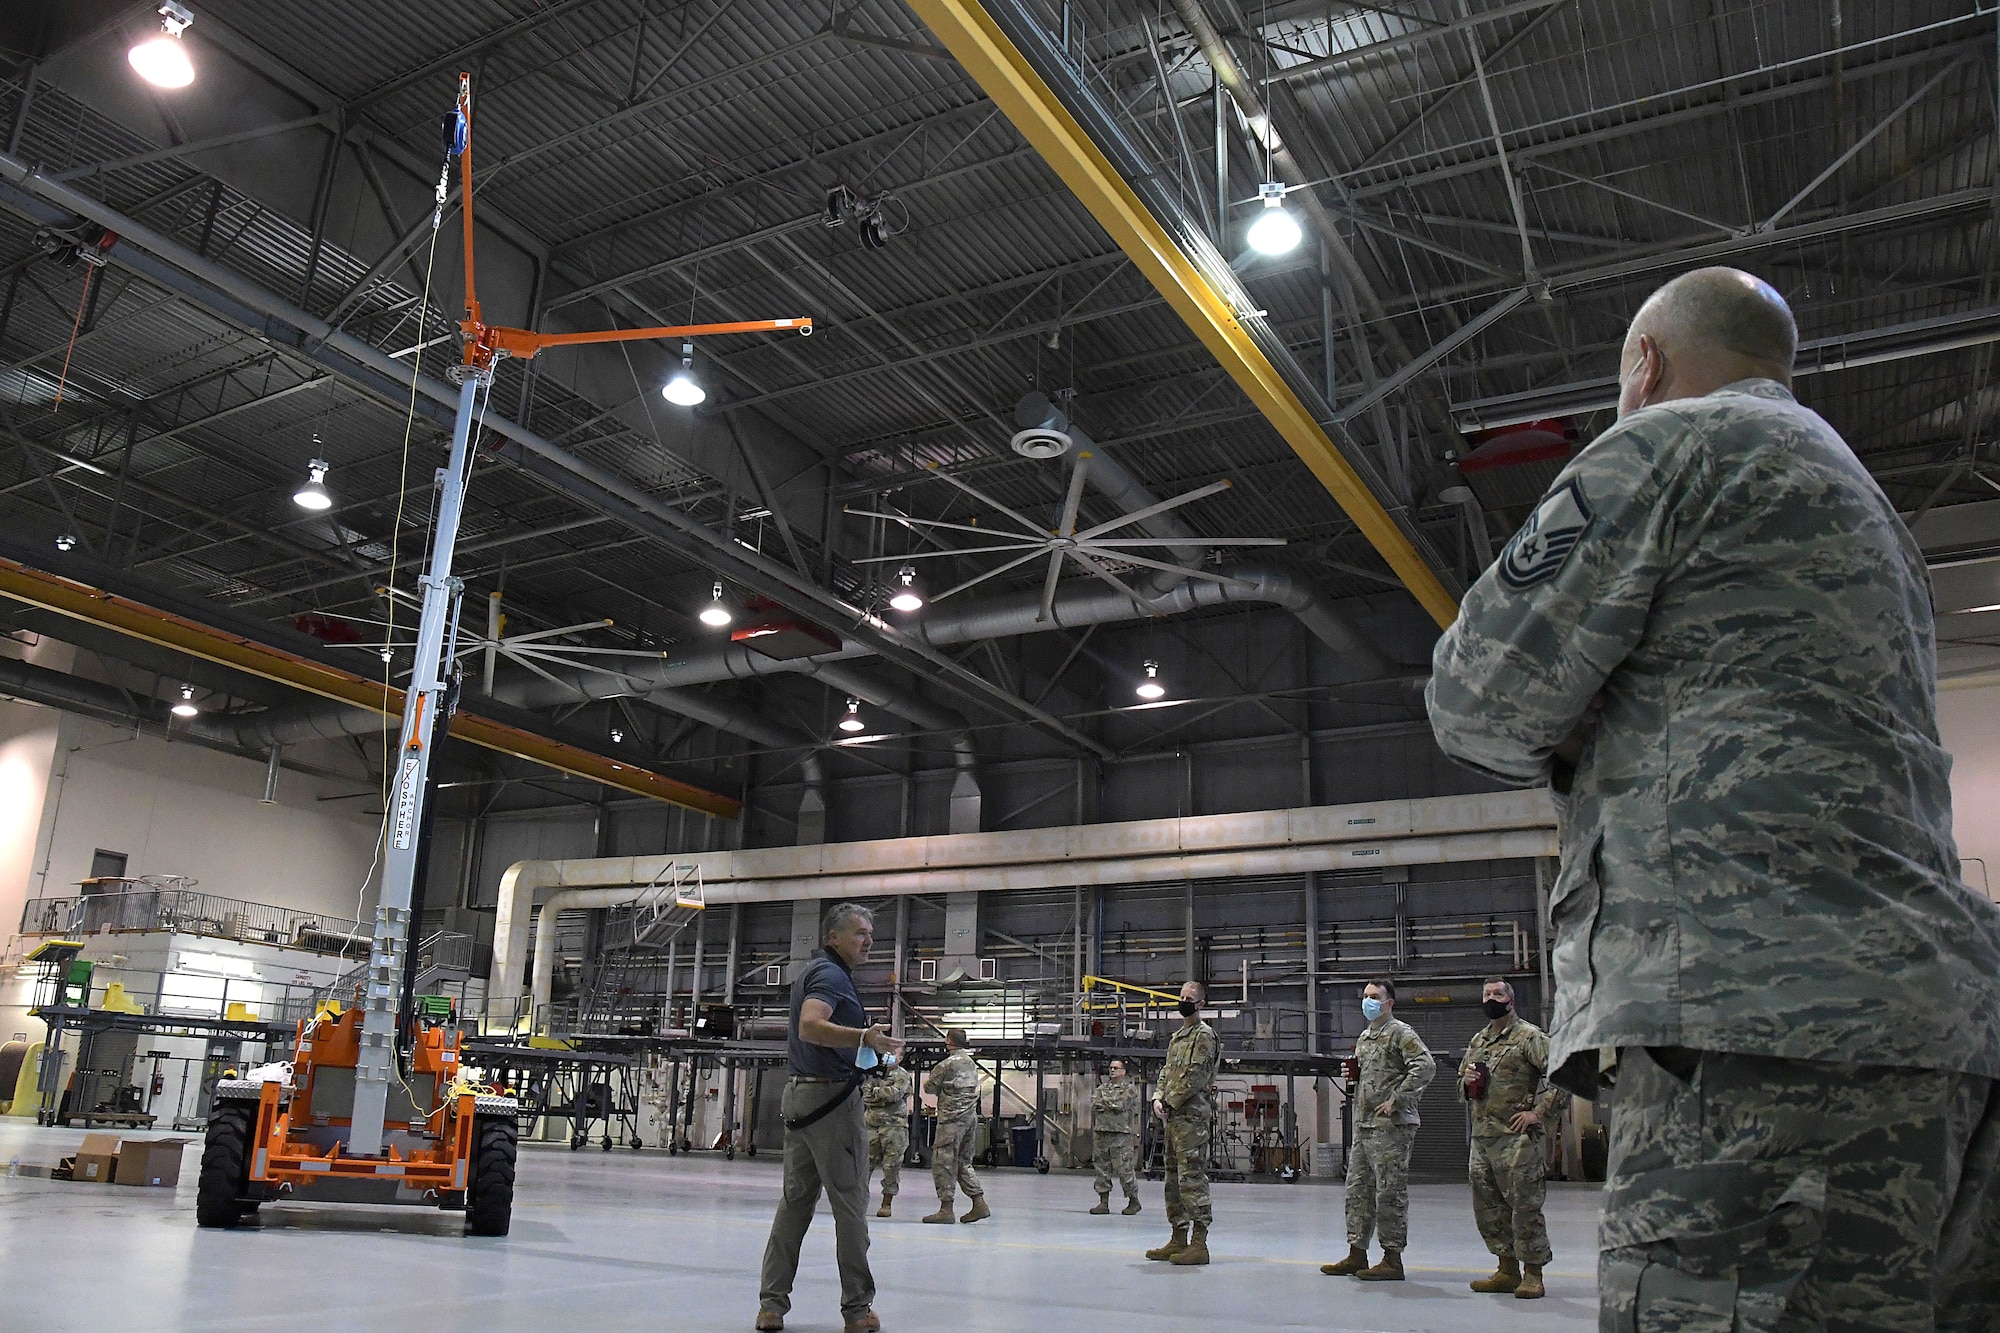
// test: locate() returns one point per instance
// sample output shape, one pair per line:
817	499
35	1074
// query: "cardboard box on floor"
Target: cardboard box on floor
150	1162
96	1159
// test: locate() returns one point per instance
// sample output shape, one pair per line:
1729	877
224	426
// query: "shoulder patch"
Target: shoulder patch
1542	546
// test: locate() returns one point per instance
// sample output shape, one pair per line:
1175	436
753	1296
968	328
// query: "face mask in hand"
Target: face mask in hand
1371	1009
865	1058
1496	1009
1189	1008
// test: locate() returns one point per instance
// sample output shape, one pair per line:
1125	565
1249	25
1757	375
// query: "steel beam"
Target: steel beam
168	629
1196	290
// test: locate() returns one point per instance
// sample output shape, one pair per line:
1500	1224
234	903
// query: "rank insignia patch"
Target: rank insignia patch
1544	542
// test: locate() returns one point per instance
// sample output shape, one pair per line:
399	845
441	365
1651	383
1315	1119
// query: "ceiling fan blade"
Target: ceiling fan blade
1048	608
984	498
1185	541
1014	544
1131	559
1142	603
905	519
1075	498
1136	515
997	569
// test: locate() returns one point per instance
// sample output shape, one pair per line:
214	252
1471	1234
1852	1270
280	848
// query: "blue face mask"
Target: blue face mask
865	1058
1371	1009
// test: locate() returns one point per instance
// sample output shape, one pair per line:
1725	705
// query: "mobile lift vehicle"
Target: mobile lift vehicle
375	1108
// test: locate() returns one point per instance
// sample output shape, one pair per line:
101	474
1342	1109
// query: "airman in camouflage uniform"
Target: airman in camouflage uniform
1502	1077
886	1112
955	1084
1714	639
1396	1067
1186	1102
1114	1138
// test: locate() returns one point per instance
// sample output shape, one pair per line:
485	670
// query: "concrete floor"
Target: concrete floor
624	1241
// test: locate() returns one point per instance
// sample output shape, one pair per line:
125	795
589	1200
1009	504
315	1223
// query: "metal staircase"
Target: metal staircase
444	960
622	989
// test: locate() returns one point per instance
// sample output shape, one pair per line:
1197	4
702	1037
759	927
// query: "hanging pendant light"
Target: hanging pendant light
717	613
1276	231
850	721
313	495
1150	688
908	595
162	61
684	390
186	707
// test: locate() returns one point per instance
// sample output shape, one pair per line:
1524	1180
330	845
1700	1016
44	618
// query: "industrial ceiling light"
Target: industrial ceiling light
1150	688
163	61
66	542
851	720
684	390
617	736
186	708
908	596
716	614
313	495
1275	232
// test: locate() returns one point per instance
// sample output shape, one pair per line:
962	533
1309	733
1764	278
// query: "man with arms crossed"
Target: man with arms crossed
1713	639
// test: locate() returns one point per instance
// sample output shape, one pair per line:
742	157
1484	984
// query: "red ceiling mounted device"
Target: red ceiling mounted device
776	633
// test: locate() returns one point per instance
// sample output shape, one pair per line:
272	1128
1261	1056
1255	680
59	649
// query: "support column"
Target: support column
1544	881
902	961
1312	962
735	933
1187	923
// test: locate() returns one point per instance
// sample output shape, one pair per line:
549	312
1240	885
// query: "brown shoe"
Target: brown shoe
944	1213
1174	1245
1103	1206
1531	1288
1505	1278
769	1321
867	1323
979	1211
1389	1270
1356	1260
1131	1208
883	1211
1196	1252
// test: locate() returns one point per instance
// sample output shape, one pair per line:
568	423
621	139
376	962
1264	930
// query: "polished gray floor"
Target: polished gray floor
644	1241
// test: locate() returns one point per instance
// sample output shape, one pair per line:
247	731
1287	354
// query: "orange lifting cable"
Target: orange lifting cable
485	343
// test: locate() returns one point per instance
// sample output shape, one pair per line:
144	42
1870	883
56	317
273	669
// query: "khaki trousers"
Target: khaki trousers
831	1154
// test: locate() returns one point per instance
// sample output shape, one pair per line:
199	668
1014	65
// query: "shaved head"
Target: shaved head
1703	330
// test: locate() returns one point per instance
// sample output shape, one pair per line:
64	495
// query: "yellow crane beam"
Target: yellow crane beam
998	66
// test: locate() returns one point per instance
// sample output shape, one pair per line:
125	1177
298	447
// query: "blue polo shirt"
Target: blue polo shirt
824	978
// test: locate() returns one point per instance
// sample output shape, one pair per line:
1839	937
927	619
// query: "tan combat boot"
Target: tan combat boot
1174	1245
770	1321
979	1210
944	1213
1531	1288
1356	1260
1389	1270
1131	1207
1196	1252
1505	1278
1103	1206
883	1211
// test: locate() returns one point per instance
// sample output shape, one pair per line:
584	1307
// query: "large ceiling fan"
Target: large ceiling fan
1094	550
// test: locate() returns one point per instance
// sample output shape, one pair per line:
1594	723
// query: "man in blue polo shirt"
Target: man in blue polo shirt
826	1142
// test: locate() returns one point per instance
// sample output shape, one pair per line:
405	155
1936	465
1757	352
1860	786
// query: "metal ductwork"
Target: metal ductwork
1428	831
965	801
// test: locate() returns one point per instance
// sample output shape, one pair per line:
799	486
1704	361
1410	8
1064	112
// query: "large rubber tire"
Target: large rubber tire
489	1204
225	1166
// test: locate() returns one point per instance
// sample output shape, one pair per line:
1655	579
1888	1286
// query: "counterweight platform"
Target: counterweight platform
650	1242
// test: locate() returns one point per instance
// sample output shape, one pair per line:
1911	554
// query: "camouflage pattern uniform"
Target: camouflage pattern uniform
1187	1086
1507	1168
955	1084
1395	1064
1762	946
1114	1135
886	1103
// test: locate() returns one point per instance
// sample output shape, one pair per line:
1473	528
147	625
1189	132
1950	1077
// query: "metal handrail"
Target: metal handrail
190	912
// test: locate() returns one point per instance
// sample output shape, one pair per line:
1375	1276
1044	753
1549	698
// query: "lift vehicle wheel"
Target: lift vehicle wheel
225	1166
577	1141
673	1148
489	1200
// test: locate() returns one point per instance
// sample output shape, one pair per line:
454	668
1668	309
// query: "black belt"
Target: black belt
826	1108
